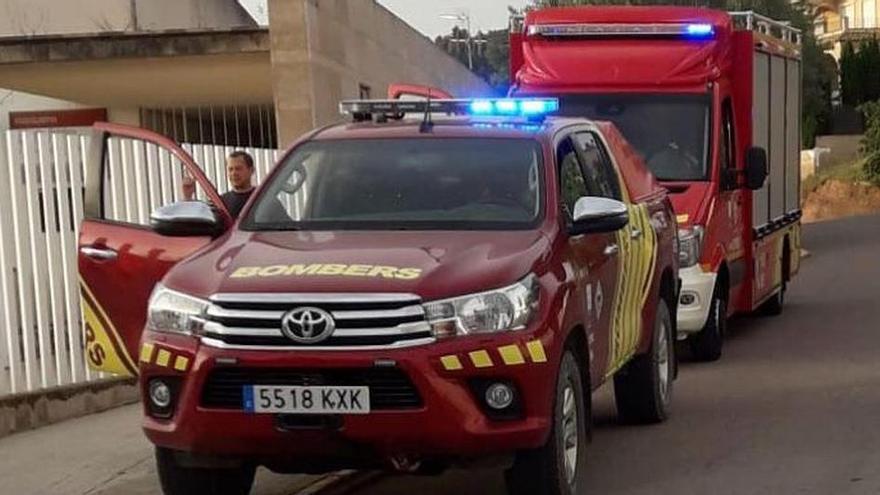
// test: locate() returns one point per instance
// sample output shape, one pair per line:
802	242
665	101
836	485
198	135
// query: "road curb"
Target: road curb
341	482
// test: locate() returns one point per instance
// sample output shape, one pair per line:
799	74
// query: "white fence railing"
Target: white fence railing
41	188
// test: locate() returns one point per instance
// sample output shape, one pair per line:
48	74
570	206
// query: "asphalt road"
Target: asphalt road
793	407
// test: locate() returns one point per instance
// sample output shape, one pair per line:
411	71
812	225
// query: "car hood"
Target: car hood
433	265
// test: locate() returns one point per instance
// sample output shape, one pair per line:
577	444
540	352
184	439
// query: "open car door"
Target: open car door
121	259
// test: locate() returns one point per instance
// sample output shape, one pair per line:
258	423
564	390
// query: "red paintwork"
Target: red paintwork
722	66
395	91
453	263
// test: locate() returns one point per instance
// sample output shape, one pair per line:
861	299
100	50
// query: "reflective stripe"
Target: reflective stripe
511	355
146	353
481	359
451	363
181	363
536	351
163	357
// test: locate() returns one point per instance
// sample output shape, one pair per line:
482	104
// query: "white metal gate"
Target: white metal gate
41	188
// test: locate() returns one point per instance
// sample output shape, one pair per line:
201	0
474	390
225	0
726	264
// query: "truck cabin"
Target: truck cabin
678	82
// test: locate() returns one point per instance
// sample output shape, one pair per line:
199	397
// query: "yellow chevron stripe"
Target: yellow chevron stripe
163	357
146	353
481	359
181	363
536	351
451	363
511	355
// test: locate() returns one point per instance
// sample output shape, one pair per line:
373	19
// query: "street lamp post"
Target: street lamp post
466	18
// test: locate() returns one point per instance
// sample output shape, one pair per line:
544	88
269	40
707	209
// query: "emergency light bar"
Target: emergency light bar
484	107
670	30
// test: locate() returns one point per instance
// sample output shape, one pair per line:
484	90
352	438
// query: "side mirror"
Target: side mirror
596	215
756	168
186	219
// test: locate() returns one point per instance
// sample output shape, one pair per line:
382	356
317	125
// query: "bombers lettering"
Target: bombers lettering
319	269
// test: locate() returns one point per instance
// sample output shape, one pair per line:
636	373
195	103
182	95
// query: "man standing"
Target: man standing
240	173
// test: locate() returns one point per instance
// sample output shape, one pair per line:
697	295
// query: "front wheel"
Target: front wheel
557	468
707	344
643	388
183	480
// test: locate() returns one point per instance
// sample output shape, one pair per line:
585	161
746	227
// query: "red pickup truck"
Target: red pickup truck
437	290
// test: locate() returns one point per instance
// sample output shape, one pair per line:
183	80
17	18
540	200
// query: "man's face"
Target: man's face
238	173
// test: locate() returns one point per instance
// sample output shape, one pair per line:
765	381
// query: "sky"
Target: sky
424	15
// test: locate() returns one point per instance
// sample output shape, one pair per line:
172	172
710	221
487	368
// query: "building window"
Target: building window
820	27
251	126
363	91
869	13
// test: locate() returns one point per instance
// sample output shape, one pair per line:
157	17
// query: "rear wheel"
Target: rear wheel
643	388
708	343
557	468
183	480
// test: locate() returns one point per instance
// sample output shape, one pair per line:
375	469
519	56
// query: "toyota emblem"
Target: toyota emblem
307	325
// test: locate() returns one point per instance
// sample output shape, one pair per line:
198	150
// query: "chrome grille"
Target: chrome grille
253	320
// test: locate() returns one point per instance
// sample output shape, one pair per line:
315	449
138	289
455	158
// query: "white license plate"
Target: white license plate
306	400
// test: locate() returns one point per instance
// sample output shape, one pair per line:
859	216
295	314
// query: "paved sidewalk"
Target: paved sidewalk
101	454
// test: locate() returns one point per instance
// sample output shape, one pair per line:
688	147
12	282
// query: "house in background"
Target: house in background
840	21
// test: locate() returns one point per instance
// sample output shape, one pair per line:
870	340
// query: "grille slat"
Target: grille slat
390	388
361	320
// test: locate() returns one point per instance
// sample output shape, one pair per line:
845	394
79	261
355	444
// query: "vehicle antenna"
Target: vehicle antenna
427	124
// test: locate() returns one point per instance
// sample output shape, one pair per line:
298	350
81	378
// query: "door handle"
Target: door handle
635	233
104	254
611	250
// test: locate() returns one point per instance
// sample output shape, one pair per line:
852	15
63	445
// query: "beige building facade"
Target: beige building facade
220	78
840	21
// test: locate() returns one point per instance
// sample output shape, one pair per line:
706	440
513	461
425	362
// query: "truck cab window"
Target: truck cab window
571	181
601	176
728	142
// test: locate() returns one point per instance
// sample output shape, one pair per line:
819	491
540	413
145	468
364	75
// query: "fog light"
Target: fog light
499	396
688	298
160	394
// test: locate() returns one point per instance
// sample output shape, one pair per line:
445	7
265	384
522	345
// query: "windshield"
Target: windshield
392	184
670	131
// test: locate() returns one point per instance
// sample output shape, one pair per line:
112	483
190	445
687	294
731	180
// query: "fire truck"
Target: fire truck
712	102
403	293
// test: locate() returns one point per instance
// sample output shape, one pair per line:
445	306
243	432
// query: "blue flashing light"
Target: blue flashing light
481	107
538	107
507	107
700	30
513	107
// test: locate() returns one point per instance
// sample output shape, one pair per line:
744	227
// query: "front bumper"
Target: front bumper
451	421
697	285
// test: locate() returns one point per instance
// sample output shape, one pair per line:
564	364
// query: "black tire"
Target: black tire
643	388
179	480
774	305
543	471
707	345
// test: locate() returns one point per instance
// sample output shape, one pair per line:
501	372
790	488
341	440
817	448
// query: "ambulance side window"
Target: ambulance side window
571	182
601	177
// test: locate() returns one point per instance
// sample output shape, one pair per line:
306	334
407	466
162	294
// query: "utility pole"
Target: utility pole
470	40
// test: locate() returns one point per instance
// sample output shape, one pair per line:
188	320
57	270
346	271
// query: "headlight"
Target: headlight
509	308
171	311
690	246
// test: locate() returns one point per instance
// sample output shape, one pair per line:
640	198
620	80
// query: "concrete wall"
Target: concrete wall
11	101
26	17
324	51
842	149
